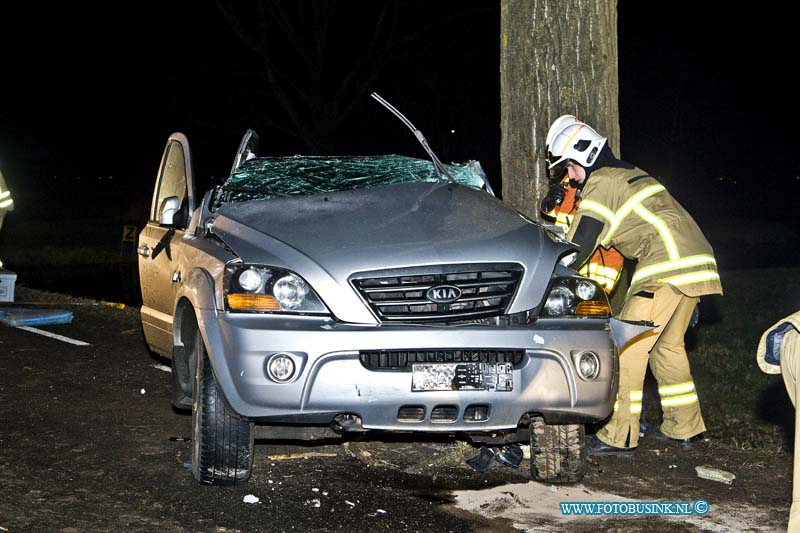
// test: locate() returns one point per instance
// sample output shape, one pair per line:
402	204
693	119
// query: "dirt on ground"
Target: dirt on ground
758	498
89	442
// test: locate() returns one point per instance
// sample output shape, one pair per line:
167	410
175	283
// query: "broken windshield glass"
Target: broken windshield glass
268	177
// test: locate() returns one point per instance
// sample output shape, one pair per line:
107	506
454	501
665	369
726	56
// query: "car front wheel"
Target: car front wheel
222	444
558	452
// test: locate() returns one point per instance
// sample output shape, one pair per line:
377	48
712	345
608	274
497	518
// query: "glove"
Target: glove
553	198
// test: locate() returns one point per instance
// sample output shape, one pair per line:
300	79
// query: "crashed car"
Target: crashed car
309	297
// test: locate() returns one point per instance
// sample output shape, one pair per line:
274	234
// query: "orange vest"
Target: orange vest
605	265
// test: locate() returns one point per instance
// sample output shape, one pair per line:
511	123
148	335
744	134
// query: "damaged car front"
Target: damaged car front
312	297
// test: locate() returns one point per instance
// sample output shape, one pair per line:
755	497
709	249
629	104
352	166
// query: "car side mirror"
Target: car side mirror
169	208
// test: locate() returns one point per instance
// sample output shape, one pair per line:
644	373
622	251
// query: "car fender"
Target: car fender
198	288
624	331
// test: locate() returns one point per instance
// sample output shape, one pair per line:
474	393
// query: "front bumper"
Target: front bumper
330	378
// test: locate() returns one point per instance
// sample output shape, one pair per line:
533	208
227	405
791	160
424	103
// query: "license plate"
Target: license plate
462	376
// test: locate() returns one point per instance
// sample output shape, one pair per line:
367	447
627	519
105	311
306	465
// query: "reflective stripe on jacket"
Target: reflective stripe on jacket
644	222
6	203
598	268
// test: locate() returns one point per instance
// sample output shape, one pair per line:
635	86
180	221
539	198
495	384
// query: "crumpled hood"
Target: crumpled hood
327	238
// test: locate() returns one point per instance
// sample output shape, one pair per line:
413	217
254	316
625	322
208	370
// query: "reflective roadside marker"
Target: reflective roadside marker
128	233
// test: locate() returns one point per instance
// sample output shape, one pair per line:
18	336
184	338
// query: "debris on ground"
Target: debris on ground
526	451
21	316
307	455
510	455
163	368
115	305
484	461
714	474
250	499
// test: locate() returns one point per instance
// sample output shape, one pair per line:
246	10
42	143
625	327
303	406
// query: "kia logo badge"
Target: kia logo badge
443	294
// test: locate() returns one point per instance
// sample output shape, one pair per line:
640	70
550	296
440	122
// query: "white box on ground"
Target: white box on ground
7	281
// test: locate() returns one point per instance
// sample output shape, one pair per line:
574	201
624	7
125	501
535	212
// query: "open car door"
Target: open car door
170	212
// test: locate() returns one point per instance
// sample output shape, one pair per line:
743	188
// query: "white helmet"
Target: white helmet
577	142
559	124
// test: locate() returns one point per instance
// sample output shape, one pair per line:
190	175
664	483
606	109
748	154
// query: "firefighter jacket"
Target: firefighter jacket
644	222
605	266
768	353
6	203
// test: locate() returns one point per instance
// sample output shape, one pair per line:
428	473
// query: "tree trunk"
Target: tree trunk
556	57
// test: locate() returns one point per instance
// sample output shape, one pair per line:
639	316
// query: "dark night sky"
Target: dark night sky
705	94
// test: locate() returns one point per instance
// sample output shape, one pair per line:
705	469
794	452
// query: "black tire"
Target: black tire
558	452
222	444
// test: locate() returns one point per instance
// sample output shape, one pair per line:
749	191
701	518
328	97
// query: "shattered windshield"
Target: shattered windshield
268	177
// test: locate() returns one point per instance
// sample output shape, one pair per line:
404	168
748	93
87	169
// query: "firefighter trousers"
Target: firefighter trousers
790	370
670	310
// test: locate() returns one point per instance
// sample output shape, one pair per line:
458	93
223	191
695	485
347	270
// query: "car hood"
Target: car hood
330	237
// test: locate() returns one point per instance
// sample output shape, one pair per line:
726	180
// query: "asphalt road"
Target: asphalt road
90	442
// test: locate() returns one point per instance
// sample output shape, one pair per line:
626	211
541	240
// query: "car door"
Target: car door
160	242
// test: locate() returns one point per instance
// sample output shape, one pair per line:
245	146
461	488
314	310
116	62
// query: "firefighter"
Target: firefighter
561	202
779	353
625	208
6	203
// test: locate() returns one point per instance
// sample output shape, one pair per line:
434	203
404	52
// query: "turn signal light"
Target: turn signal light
593	308
253	302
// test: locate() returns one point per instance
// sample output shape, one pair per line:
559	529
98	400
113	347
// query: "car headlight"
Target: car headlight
290	291
572	296
264	289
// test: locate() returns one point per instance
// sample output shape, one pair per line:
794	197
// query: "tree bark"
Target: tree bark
556	57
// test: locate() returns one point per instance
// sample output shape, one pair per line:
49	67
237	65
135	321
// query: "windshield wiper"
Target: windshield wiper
441	170
267	190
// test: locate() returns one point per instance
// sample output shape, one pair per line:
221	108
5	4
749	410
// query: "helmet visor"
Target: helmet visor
548	159
557	166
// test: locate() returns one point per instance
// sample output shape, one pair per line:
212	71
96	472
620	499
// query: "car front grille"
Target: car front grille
403	359
483	291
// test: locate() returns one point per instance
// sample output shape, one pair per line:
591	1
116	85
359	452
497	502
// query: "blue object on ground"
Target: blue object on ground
21	316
